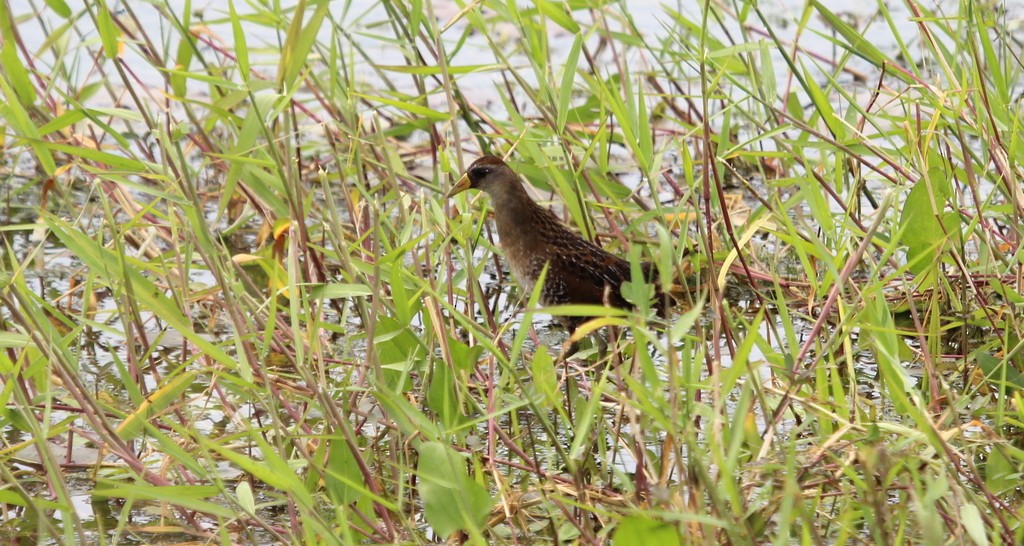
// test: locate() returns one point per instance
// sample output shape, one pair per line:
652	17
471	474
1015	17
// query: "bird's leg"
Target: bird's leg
569	348
602	346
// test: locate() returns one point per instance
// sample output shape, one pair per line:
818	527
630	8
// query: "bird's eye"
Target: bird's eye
481	172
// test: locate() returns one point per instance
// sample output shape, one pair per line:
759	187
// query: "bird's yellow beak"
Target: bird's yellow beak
459	187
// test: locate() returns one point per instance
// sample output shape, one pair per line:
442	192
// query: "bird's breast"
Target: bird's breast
522	264
523	237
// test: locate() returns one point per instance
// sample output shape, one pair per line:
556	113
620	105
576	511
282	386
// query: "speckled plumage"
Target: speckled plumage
579	272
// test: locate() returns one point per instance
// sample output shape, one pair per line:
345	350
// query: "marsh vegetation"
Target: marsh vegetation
237	308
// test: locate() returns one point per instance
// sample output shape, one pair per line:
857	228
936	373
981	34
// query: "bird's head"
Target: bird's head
489	174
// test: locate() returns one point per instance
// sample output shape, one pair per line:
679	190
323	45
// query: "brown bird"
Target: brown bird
579	272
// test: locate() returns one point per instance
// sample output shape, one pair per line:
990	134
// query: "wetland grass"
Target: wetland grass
238	309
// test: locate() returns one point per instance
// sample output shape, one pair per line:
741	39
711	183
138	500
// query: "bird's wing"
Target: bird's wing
580	272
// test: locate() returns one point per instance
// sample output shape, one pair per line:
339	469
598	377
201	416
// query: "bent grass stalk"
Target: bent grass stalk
231	272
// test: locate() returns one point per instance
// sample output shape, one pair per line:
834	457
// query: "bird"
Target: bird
532	237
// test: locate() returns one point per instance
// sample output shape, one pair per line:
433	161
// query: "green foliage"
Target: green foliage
452	500
233	293
644	530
